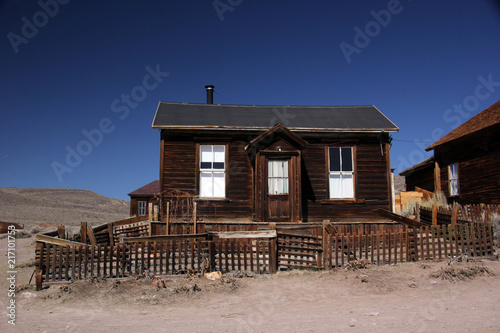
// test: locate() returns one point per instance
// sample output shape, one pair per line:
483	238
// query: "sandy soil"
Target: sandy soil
406	297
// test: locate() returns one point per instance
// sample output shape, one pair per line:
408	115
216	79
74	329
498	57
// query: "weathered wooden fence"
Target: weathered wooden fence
63	260
130	251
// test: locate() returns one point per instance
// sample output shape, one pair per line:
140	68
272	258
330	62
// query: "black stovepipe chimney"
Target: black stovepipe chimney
210	94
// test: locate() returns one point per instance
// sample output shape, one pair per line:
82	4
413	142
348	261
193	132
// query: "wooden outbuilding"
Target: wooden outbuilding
142	197
275	163
466	162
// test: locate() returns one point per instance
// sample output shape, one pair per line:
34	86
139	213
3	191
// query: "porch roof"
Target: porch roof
366	118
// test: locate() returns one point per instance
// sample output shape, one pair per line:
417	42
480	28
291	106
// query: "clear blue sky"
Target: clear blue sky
67	70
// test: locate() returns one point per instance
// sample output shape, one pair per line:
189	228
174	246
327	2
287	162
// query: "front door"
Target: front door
278	190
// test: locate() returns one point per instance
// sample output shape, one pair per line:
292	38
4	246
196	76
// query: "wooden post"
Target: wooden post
454	216
90	235
39	264
434	215
326	246
195	226
83	232
61	232
150	210
110	234
211	255
437	177
417	212
167	219
155	212
273	251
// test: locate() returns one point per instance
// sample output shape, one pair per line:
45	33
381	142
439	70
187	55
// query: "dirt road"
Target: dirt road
406	297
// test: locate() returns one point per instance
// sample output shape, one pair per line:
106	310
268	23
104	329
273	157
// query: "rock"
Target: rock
28	294
213	275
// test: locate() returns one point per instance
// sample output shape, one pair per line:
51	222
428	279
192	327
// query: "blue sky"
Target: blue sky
84	77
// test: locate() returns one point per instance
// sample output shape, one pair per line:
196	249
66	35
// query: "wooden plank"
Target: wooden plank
39	264
91	236
66	262
195	218
163	238
56	241
398	218
83	232
85	261
434	215
246	234
61	232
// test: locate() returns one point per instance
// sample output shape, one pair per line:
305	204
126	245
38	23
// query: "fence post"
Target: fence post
417	211
167	219
195	225
39	249
211	253
83	232
434	214
273	256
61	232
326	245
150	211
454	216
273	250
110	234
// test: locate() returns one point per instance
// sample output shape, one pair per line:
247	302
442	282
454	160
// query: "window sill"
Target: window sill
211	199
342	201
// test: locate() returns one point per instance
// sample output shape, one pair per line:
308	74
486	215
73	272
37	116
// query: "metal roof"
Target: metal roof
302	118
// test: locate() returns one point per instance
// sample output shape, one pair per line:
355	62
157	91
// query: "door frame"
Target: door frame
294	185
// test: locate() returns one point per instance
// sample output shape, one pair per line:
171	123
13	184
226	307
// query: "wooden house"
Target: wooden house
142	197
466	162
275	163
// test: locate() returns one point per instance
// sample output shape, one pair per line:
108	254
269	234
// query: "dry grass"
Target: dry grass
455	274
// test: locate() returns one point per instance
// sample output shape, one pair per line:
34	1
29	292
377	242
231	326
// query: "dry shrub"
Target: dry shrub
357	264
437	198
455	274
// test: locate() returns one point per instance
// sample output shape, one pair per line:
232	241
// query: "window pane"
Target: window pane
206	187
347	186
285	186
219	155
346	159
219	165
334	159
206	153
206	165
335	186
454	187
219	185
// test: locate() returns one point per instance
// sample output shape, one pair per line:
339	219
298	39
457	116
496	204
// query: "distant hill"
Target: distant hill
48	207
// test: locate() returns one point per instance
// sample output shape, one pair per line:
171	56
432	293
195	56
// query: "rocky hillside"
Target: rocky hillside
49	207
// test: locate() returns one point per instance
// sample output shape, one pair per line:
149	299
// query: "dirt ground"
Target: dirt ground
411	297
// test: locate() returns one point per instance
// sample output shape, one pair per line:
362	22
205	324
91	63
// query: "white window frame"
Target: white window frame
141	208
344	176
453	179
277	177
212	179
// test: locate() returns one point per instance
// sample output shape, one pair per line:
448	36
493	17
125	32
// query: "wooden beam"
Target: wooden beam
61	232
434	215
167	219
195	225
399	218
437	177
245	234
90	235
83	232
161	238
56	241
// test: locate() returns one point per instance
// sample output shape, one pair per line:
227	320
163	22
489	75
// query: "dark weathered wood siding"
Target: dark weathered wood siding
423	178
478	158
372	190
